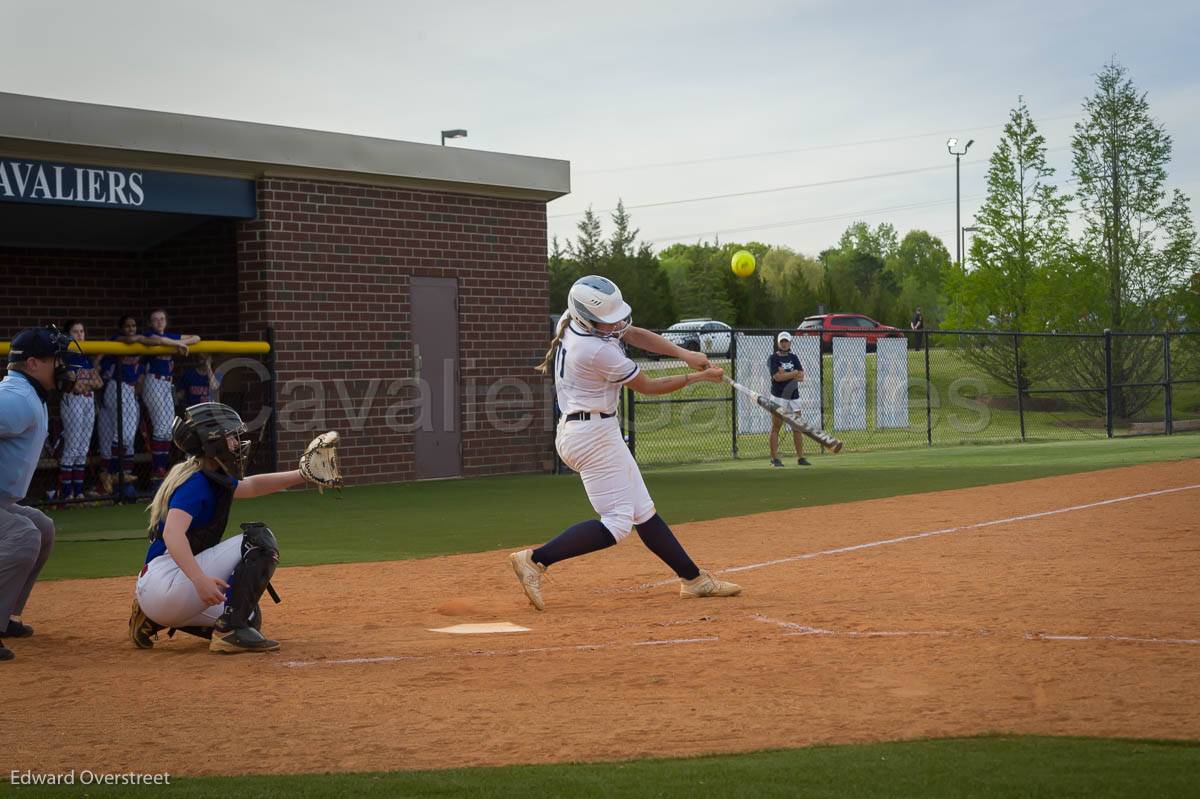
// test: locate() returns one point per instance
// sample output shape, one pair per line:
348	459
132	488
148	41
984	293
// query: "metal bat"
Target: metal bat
816	434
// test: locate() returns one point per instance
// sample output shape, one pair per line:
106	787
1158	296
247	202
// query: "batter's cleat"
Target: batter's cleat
142	631
707	585
776	462
5	653
240	639
16	629
529	572
803	462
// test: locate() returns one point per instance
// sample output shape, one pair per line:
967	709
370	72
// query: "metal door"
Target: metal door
437	440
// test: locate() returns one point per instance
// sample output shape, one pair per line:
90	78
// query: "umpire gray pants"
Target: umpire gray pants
26	538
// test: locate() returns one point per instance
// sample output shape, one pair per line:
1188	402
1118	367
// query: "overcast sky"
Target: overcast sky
652	102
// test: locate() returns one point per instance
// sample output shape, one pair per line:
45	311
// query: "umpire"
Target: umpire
26	535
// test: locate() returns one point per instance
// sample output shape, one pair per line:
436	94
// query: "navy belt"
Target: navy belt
583	416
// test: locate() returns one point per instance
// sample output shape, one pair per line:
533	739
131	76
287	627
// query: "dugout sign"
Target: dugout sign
55	183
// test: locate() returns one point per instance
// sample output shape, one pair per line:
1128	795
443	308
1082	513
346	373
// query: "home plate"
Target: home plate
482	629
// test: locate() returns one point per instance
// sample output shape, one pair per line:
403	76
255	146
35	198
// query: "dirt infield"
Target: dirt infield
1069	620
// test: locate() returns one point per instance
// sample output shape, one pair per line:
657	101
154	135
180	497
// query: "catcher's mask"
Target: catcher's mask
205	429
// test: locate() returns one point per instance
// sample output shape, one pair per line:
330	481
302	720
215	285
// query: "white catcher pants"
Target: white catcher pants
78	413
596	449
168	597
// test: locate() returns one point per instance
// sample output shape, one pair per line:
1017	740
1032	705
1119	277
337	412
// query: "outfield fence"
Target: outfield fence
927	388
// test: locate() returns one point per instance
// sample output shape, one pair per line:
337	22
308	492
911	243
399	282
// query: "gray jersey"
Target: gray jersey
589	371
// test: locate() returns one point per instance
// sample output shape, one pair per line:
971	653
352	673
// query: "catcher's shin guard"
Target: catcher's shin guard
237	629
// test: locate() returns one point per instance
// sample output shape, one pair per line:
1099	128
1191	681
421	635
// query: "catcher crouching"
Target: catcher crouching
219	599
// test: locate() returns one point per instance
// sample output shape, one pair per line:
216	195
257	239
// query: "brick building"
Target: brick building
404	284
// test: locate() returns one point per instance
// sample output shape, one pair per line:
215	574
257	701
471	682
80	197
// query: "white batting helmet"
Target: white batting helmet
595	300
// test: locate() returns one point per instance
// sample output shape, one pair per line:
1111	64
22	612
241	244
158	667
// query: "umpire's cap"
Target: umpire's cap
38	342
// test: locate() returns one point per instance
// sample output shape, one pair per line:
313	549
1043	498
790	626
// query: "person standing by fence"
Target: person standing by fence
78	412
158	390
786	373
121	375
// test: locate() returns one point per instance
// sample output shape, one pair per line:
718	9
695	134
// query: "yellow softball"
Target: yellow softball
743	263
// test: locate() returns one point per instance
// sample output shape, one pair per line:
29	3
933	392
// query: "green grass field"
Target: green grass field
991	767
418	520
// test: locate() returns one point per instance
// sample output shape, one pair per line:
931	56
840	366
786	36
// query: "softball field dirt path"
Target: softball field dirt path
1079	617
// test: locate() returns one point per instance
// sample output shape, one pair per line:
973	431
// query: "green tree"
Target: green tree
1141	237
1021	236
589	250
562	272
921	264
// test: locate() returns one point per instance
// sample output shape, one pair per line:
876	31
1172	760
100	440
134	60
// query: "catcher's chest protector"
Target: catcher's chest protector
208	536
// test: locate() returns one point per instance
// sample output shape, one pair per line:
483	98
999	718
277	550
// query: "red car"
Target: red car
853	325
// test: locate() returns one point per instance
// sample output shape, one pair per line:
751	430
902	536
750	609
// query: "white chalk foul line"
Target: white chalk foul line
931	533
300	664
804	629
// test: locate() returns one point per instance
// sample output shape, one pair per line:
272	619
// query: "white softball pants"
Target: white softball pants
596	449
78	413
168	597
129	417
159	396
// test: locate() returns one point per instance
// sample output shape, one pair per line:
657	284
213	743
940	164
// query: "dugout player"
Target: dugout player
786	373
588	363
191	580
158	390
35	367
196	383
78	411
121	375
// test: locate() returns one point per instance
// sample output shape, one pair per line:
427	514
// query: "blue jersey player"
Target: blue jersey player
121	375
158	390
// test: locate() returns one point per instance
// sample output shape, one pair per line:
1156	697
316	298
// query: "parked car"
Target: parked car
702	335
850	325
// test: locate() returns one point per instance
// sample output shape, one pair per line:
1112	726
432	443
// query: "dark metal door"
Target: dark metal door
438	437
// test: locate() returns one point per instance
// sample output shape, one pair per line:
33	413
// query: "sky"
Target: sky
653	103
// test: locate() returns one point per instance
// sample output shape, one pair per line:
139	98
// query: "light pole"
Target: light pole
457	133
966	230
950	145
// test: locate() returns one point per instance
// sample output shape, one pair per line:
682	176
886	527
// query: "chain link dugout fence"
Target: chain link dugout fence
110	440
926	389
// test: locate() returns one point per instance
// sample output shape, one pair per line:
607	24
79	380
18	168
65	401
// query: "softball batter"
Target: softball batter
158	390
78	412
588	363
192	580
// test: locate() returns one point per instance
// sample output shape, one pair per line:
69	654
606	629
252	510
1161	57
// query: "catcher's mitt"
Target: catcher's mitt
318	464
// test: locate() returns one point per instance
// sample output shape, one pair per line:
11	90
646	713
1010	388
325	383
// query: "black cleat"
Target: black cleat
241	639
5	653
776	462
803	462
17	630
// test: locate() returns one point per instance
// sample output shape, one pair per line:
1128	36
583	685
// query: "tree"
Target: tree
1021	235
589	249
1139	241
562	272
920	264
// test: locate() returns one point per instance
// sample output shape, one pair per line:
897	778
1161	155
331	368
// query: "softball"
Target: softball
743	263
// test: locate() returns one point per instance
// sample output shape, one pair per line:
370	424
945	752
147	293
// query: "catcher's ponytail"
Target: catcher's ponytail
544	366
179	473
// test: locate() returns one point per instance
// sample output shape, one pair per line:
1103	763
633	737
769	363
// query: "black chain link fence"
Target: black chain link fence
111	442
922	389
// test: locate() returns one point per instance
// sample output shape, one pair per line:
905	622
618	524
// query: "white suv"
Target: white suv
702	335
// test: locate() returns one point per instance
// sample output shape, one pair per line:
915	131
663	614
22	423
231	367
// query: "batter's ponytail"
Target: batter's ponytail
544	366
179	473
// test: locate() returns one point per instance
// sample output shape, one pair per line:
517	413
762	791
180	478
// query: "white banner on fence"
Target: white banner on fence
849	383
752	355
891	383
